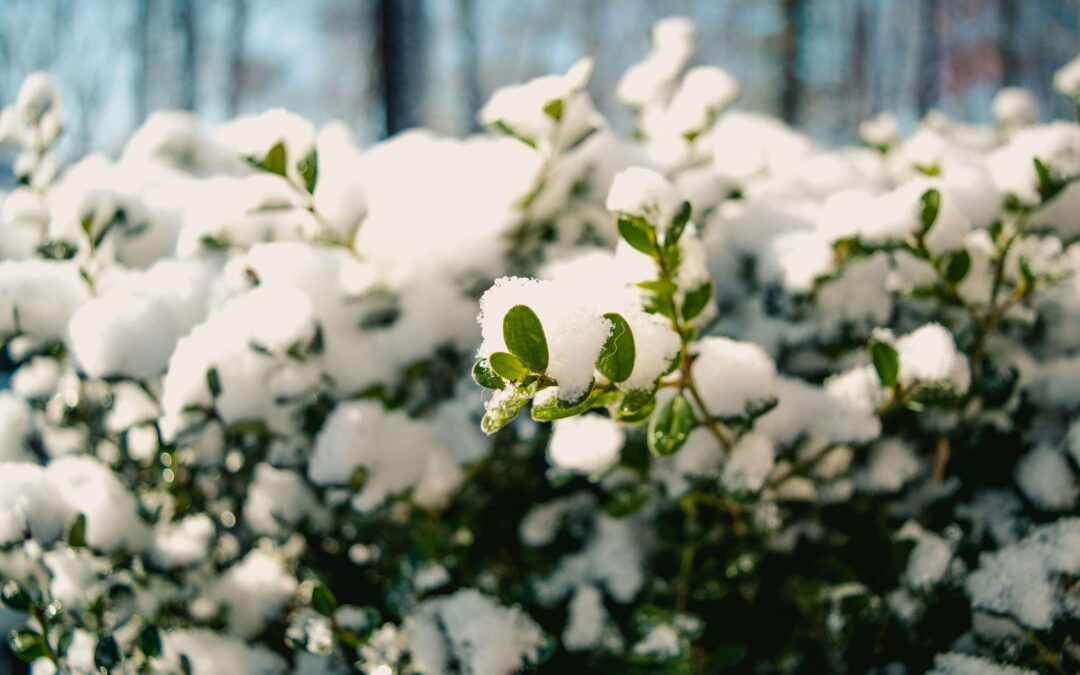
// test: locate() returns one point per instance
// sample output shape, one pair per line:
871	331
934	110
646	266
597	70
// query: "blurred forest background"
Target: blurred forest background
384	65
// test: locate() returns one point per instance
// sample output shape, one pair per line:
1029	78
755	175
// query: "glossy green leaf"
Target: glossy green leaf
213	382
554	109
671	425
107	653
309	170
956	266
508	367
484	376
505	407
323	600
150	641
696	300
886	361
14	597
27	644
931	200
616	360
77	533
637	234
678	224
524	336
274	161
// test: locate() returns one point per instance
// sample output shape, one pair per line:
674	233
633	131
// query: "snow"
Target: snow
589	444
749	464
953	663
1021	579
586	620
645	194
38	296
253	592
209	652
183	542
575	331
1045	478
396	453
929	354
732	375
473	631
31	505
112	513
612	558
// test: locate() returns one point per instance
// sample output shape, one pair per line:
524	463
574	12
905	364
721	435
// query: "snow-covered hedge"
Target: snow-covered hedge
745	402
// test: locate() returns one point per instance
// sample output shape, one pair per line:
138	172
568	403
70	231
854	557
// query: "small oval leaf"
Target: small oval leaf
886	361
508	367
616	360
484	376
671	425
696	300
637	234
524	336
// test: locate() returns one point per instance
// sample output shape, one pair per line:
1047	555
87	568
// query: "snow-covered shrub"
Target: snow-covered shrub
746	403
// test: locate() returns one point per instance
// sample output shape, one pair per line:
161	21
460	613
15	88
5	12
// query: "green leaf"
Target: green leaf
14	596
659	286
554	109
1048	184
638	234
678	224
956	266
551	409
77	534
616	360
323	600
931	200
886	361
636	400
185	665
696	300
671	425
27	644
213	382
484	376
107	653
524	336
639	414
1027	276
309	170
275	161
150	641
508	367
506	405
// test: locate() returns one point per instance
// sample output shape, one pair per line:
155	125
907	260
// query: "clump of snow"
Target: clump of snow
929	354
732	375
954	663
474	632
1045	478
749	464
38	296
929	560
586	621
253	591
183	542
278	499
395	452
612	558
91	488
209	652
31	505
1014	107
586	443
1022	579
892	463
645	194
575	331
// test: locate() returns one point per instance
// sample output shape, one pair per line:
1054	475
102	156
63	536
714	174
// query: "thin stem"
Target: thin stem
801	466
942	453
1045	654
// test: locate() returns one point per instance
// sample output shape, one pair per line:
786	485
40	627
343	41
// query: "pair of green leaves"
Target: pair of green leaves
641	235
524	337
276	162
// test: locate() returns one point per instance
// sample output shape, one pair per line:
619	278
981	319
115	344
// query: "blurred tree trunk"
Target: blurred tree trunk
470	62
929	82
789	61
237	41
142	60
859	63
1010	60
400	36
184	20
